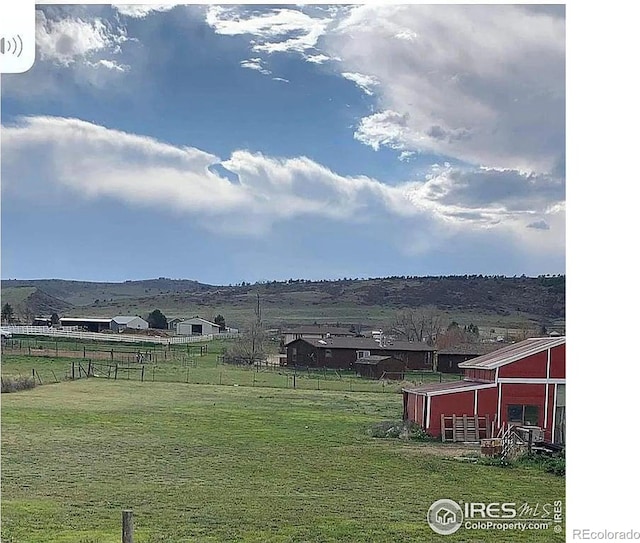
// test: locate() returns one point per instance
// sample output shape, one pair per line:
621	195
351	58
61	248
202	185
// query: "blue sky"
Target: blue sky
256	142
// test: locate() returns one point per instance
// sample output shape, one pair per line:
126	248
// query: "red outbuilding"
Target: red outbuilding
520	384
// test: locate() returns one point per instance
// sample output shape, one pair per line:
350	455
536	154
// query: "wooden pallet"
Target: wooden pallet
466	428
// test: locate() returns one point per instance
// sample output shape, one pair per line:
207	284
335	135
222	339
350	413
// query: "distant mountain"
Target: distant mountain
32	301
485	298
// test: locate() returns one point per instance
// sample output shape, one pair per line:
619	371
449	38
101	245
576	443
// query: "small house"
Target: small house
448	359
344	352
123	322
315	331
172	323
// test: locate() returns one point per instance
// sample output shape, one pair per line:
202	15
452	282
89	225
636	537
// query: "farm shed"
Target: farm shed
91	324
379	366
343	352
448	359
196	327
123	322
521	384
41	321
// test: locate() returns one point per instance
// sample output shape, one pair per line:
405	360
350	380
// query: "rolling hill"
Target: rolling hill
485	300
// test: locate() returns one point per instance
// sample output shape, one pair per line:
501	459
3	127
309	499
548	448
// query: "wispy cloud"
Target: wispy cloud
364	82
73	40
255	64
140	11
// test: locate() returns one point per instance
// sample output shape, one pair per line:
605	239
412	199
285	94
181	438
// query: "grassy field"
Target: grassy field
215	463
207	370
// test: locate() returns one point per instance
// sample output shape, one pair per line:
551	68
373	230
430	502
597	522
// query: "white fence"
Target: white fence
74	333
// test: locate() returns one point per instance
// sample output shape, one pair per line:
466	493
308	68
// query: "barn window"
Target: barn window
523	414
328	353
363	354
294	354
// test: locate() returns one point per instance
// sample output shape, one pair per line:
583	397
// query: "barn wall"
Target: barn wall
558	364
488	401
534	366
410	407
458	403
523	394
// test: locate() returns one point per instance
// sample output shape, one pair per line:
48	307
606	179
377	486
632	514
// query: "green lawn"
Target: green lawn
202	463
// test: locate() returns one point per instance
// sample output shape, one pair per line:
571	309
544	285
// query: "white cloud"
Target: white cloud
318	58
482	83
364	82
70	40
97	162
139	11
275	31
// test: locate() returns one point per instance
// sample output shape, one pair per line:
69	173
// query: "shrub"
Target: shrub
14	384
399	429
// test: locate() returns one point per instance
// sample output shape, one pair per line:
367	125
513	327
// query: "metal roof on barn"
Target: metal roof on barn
512	353
453	386
124	319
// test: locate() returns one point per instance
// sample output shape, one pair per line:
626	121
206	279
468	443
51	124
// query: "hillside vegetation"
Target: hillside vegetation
495	300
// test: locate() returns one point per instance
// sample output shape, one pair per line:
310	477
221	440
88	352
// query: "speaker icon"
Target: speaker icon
11	46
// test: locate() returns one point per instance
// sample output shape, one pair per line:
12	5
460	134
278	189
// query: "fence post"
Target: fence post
115	376
73	370
127	526
142	374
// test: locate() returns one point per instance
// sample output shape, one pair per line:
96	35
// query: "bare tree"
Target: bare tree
419	325
250	347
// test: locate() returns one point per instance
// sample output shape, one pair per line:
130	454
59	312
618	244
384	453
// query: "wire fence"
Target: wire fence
54	348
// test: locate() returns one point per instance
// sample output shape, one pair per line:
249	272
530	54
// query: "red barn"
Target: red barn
521	384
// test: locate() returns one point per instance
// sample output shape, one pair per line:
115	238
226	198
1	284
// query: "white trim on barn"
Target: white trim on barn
531	381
